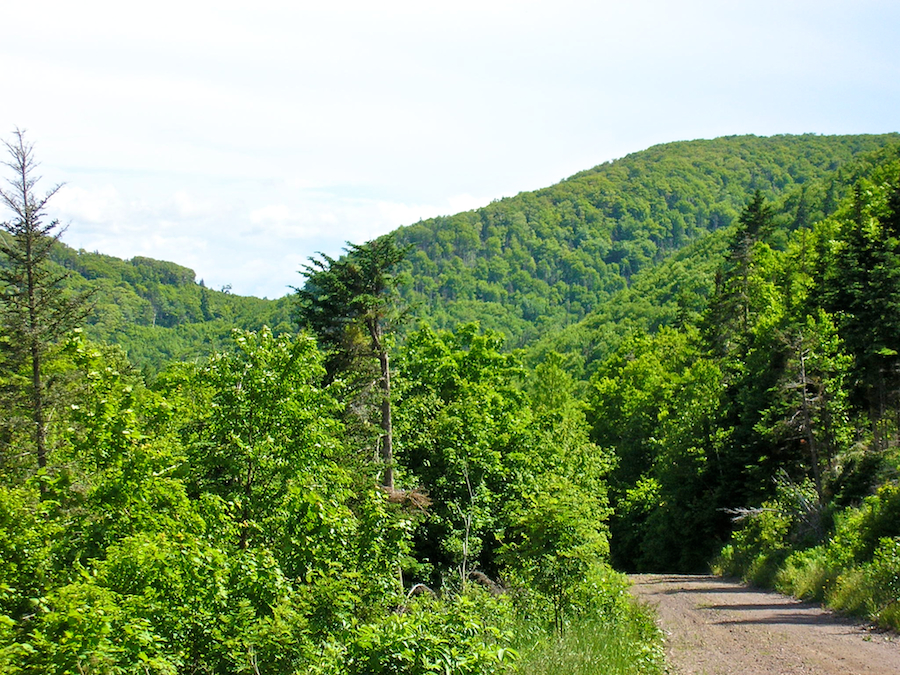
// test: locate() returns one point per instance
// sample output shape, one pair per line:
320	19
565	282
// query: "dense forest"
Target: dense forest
529	264
523	266
440	454
157	311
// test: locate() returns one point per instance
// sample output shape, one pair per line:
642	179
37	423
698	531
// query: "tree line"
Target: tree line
762	431
296	502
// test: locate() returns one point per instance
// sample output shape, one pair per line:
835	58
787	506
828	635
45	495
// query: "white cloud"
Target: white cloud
239	139
99	205
190	207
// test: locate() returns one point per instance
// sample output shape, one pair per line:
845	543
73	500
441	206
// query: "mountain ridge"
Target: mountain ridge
528	265
543	259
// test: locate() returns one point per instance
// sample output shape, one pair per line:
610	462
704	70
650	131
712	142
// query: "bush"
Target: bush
463	636
859	531
872	590
856	571
807	574
759	548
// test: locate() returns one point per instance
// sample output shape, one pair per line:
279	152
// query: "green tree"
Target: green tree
461	432
655	404
267	421
557	541
34	310
730	308
861	286
809	403
351	304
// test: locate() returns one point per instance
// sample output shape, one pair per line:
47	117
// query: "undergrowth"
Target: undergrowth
854	569
631	645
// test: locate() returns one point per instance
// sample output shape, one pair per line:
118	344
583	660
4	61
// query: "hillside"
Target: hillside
600	248
158	312
530	264
728	398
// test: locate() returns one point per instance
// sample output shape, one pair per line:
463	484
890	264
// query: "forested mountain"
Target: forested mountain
711	375
768	403
530	264
158	312
527	265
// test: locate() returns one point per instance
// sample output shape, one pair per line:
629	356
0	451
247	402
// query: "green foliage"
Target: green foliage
24	532
225	518
149	553
85	630
862	283
36	309
460	424
769	534
701	423
629	644
267	420
855	569
557	545
157	312
654	403
517	488
462	636
351	304
532	263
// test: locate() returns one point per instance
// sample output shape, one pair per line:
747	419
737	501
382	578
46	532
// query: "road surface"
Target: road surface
717	626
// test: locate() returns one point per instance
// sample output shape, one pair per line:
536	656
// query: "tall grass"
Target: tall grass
629	645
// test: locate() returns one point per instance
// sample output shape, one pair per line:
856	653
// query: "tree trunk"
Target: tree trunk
34	348
810	436
387	433
37	402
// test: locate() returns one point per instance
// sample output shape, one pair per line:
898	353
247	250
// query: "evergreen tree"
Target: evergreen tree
34	312
728	318
862	289
350	304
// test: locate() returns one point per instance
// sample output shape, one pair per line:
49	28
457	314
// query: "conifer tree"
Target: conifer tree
34	312
862	287
350	304
728	317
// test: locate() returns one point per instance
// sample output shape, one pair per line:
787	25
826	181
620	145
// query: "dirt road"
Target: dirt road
720	627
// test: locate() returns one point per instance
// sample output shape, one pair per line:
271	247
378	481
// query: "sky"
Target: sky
240	138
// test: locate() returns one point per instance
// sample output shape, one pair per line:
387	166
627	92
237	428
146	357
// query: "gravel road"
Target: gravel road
720	627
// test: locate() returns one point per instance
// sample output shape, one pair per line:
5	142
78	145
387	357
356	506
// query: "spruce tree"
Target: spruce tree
728	318
862	288
35	312
350	304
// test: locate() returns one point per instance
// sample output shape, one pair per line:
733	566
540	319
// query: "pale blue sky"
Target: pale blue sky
239	138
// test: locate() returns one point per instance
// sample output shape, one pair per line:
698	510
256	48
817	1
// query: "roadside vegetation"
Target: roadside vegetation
367	478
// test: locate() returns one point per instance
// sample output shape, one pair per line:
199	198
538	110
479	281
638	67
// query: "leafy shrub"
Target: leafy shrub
857	570
770	534
464	636
884	572
759	548
859	531
84	628
23	532
807	574
872	589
